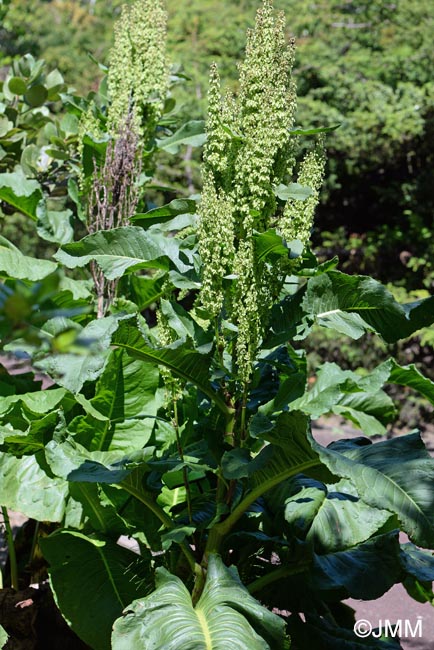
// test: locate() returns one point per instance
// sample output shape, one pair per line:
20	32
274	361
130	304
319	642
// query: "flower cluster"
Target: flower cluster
297	219
249	151
138	73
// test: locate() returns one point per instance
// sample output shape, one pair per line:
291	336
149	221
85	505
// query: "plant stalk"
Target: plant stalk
165	519
222	529
11	549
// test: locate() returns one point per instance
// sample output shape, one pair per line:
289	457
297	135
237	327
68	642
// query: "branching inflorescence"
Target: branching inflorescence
138	81
249	151
138	75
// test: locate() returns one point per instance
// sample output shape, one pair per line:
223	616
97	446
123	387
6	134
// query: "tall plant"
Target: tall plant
182	416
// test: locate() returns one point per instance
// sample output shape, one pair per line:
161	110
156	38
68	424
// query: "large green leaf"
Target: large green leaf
73	369
269	246
354	304
55	226
332	518
117	251
13	264
39	401
288	455
226	616
122	413
184	362
192	133
165	212
365	571
395	475
145	290
343	392
20	192
72	461
26	487
107	575
411	377
286	320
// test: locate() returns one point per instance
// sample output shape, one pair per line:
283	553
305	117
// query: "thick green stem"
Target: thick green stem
230	424
165	519
221	530
243	417
181	455
11	549
273	576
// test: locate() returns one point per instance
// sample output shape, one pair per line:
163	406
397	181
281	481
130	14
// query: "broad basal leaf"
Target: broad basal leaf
109	576
365	571
395	475
73	462
226	616
332	518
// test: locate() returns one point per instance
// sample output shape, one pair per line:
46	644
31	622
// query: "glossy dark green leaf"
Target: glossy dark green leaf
332	518
110	576
269	246
418	562
365	571
395	475
184	362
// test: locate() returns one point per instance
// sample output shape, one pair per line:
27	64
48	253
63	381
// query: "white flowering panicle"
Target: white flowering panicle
249	151
138	75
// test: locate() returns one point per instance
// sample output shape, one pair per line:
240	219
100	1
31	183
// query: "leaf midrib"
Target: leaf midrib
387	478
